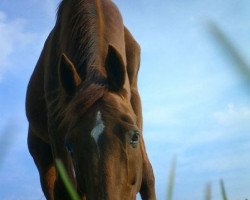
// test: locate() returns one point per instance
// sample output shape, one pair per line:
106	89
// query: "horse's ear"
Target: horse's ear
115	69
69	77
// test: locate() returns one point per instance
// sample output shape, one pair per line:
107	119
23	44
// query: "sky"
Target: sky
196	107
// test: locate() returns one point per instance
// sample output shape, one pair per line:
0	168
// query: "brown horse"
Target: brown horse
83	107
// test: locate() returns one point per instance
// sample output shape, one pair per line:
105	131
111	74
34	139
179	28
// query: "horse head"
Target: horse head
102	136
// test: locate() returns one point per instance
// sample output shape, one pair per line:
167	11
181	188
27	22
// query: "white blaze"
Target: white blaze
99	127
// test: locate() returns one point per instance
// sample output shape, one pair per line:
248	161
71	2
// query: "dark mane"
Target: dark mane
86	32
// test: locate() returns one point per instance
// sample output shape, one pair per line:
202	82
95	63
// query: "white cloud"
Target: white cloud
234	116
12	36
173	125
216	147
162	115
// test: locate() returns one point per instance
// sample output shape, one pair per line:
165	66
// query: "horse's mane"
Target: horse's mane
86	32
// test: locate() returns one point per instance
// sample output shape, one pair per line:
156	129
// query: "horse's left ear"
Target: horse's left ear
69	77
115	69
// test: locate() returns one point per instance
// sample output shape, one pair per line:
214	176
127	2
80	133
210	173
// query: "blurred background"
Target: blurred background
193	85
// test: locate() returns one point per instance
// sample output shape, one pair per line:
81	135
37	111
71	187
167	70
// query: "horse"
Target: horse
84	108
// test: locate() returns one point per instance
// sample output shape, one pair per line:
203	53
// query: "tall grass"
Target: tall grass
239	62
223	191
6	139
69	186
208	192
171	179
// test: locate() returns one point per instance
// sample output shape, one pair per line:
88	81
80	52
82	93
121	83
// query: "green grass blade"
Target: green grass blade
208	192
63	174
4	147
240	63
6	140
223	191
171	181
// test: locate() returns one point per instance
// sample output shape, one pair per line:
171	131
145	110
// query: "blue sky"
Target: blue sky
195	105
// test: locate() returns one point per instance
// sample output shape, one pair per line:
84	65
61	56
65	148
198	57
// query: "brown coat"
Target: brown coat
86	80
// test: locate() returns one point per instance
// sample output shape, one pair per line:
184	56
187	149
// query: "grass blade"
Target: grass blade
223	191
63	174
171	181
6	139
208	192
232	52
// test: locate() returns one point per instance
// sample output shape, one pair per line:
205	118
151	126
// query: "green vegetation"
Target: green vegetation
234	55
171	181
223	191
208	192
6	139
66	181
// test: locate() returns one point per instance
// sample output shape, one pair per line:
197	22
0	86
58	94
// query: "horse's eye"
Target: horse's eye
134	138
69	148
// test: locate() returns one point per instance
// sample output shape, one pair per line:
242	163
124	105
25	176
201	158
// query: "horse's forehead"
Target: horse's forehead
120	102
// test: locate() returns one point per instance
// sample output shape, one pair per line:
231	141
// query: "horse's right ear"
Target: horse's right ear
69	77
115	69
